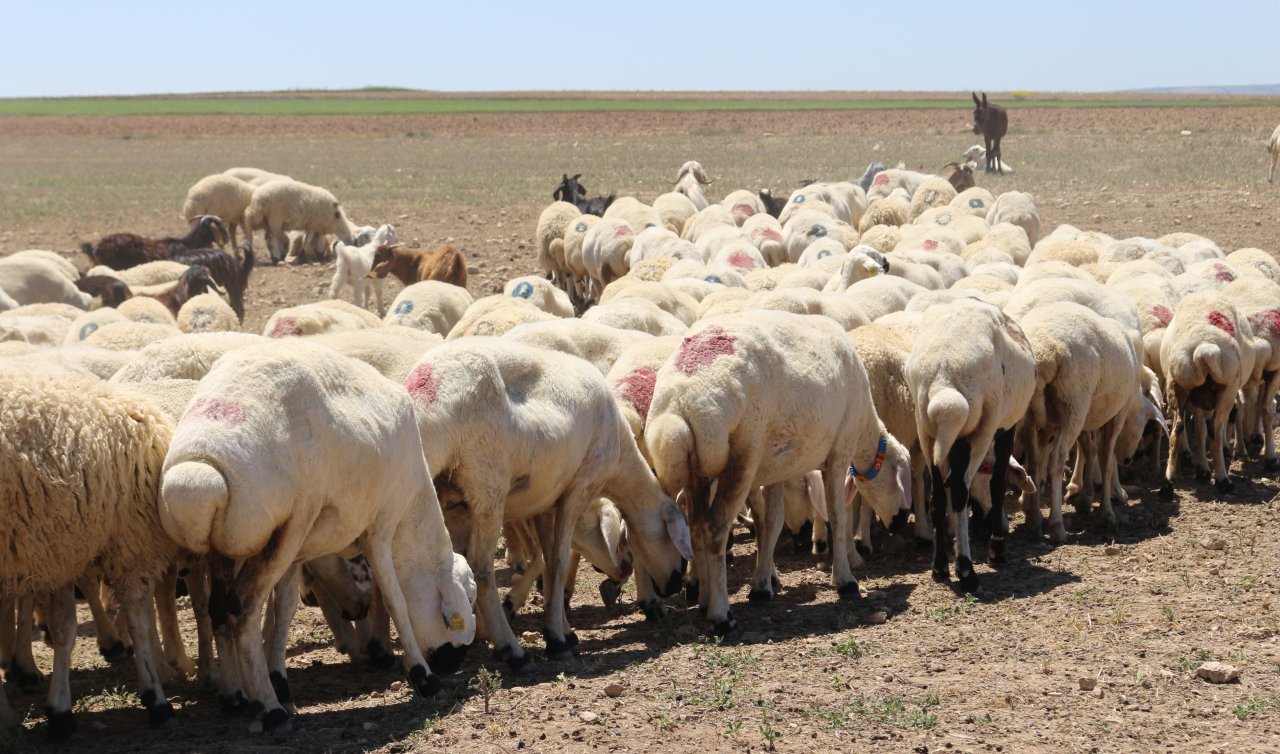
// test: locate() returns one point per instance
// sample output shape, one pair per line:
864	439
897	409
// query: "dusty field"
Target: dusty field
813	674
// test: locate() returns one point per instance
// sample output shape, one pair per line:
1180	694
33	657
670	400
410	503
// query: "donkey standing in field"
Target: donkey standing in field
992	122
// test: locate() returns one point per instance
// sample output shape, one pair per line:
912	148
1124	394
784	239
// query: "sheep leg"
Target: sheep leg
766	582
284	607
377	548
1107	450
344	635
109	644
716	521
862	524
62	635
533	569
1057	461
230	685
571	577
941	538
698	510
556	536
375	631
175	651
959	460
1176	400
835	475
136	606
919	501
340	277
198	588
377	296
22	669
486	524
1272	386
997	520
1217	436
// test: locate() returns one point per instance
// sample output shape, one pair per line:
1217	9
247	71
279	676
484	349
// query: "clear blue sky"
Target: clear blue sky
92	48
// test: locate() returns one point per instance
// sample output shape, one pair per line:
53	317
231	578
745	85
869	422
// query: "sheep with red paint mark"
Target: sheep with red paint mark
1207	357
765	233
755	399
268	426
743	205
1257	300
318	317
518	431
604	254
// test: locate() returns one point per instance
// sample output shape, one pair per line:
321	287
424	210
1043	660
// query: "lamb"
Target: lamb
978	154
519	431
747	401
1207	357
227	271
32	280
221	195
283	205
82	464
431	306
207	312
410	266
1018	208
354	264
860	263
674	209
972	375
321	316
152	273
548	239
254	411
1087	381
690	181
124	250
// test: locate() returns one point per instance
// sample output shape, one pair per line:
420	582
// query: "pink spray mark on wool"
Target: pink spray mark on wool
636	389
699	350
881	180
1270	319
1162	315
744	209
929	244
217	410
771	234
1222	322
742	260
285	327
422	384
1223	273
623	232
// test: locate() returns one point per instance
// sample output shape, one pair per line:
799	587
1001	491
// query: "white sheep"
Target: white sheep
888	181
932	192
765	232
283	205
1273	150
129	335
671	301
599	344
548	239
1018	208
85	325
972	374
254	176
495	315
269	425
1257	300
222	195
1256	262
147	310
743	205
707	219
974	201
746	401
859	263
808	301
978	154
655	243
604	253
185	356
968	227
674	209
807	226
430	305
29	279
57	260
318	317
354	264
634	212
207	312
159	272
632	376
635	314
80	466
541	293
38	324
518	431
690	181
76	359
880	295
1207	356
391	350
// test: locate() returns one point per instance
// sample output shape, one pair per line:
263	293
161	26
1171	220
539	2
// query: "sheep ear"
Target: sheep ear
817	493
1156	415
678	530
903	475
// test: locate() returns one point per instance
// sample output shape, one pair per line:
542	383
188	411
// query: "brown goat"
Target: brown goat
960	176
120	251
410	266
111	291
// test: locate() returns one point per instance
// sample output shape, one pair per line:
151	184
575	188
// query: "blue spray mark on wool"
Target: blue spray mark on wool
522	290
404	307
88	330
977	203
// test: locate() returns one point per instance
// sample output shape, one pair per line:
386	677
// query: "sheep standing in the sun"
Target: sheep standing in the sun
759	398
517	432
972	373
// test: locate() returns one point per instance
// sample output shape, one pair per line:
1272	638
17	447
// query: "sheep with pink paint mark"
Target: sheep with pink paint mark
1257	300
318	317
758	398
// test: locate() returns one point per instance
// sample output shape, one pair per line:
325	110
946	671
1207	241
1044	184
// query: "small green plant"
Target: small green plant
119	697
850	648
1255	706
770	733
487	682
734	727
1198	658
661	721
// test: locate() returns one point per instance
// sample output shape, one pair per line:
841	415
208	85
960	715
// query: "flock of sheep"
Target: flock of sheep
892	341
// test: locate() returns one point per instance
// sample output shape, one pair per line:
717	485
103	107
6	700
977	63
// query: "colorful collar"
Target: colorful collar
875	466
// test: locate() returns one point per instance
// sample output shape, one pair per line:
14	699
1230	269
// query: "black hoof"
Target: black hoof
232	704
558	649
426	684
968	577
281	686
726	630
275	720
1225	485
899	522
999	550
1203	475
941	575
1166	491
447	658
27	680
180	588
610	591
850	591
61	725
377	657
759	595
803	539
820	547
863	549
691	592
519	663
161	715
653	611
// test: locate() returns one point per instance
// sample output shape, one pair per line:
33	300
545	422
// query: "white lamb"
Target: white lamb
354	264
746	401
860	263
431	305
518	431
268	426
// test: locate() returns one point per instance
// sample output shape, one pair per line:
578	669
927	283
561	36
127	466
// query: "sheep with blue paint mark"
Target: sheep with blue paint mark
431	305
541	293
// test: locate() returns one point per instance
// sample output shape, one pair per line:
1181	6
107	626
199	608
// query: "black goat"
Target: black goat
195	281
772	204
120	251
575	193
111	291
229	273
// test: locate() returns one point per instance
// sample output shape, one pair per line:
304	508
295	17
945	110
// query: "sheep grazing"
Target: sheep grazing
207	312
80	467
972	375
221	195
431	305
575	193
283	205
319	317
746	401
518	431
237	489
227	271
410	266
124	250
690	181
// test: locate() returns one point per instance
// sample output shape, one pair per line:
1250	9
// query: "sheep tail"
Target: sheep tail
1212	359
947	411
672	448
192	495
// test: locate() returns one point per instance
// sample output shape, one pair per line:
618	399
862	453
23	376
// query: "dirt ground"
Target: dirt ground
915	666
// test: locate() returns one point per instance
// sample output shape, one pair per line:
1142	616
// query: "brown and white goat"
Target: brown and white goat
410	266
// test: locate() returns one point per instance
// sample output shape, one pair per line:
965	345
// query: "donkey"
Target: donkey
992	121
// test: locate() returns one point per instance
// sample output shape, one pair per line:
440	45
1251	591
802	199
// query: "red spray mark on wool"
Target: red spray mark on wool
1270	319
929	244
1220	321
771	234
637	389
622	232
285	327
699	350
218	410
743	209
1162	315
742	260
422	384
881	180
1223	273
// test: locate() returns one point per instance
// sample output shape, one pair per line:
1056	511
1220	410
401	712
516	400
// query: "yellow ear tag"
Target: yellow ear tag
456	623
